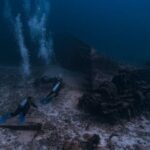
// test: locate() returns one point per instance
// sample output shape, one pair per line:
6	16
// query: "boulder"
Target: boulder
71	145
71	53
89	142
123	97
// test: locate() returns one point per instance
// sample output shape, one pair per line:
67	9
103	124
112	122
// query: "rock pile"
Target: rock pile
125	96
88	142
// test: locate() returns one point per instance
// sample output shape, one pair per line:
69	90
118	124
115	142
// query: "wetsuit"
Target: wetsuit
56	88
21	110
54	92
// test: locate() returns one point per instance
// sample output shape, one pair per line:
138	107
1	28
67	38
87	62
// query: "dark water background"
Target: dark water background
117	28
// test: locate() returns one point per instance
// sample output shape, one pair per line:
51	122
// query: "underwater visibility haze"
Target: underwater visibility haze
76	72
118	29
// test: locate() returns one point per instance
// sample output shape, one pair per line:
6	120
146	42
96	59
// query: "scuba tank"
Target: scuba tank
56	88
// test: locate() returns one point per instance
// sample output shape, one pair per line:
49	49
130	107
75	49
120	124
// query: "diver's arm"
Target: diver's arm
33	104
51	95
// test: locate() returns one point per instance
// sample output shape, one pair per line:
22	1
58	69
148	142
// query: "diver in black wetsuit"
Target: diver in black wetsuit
21	110
54	92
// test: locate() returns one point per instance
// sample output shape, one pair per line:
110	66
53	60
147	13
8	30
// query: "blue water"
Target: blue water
117	28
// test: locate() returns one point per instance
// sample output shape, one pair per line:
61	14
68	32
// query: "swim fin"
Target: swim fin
4	118
21	118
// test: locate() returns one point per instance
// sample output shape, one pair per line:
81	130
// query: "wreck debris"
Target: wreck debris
71	53
32	127
123	97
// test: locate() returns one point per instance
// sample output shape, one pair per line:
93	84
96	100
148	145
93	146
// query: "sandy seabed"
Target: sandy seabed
61	118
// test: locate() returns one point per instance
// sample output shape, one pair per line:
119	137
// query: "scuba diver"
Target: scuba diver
54	92
21	110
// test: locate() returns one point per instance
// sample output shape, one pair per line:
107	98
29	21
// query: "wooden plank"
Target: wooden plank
32	127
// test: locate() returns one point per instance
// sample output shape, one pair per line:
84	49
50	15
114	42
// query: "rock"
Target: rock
124	80
123	97
71	145
140	147
89	142
92	138
107	90
110	144
71	53
142	75
87	136
93	142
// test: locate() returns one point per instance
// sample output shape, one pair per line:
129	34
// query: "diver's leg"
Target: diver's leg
23	113
46	99
16	112
4	117
21	118
9	115
49	95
